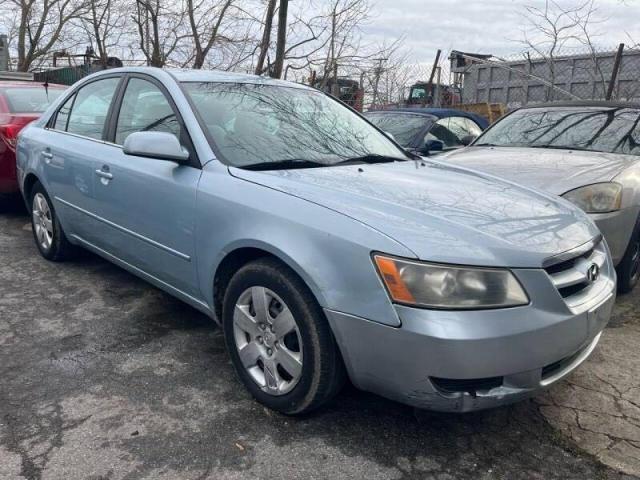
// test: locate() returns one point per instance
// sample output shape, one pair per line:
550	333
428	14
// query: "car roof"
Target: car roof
436	112
193	75
583	103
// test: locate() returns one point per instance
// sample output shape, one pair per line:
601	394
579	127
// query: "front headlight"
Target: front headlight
449	287
597	198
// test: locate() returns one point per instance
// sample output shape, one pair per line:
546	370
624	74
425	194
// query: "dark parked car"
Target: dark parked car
20	103
425	131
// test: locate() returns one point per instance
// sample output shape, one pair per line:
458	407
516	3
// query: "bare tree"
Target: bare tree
105	26
389	75
550	28
159	29
41	26
281	41
265	42
205	19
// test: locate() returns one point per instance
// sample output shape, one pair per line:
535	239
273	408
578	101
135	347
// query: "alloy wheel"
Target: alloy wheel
268	340
42	221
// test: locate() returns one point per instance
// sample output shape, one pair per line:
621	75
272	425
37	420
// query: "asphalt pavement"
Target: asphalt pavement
103	376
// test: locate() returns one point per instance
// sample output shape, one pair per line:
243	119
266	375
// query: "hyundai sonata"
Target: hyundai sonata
319	245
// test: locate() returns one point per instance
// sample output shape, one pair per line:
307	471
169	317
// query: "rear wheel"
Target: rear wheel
47	231
629	268
279	340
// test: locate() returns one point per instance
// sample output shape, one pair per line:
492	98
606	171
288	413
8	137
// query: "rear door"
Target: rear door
148	205
72	145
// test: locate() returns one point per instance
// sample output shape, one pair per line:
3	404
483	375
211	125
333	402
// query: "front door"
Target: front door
148	205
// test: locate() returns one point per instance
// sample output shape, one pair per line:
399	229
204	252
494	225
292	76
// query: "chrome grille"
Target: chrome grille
571	276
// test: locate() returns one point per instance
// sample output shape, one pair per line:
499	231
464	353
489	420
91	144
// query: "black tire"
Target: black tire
60	248
323	374
629	267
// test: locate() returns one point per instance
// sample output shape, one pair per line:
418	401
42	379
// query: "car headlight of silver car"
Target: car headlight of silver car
597	198
451	287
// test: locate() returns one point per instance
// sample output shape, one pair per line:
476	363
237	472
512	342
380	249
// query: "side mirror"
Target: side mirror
160	145
467	139
433	146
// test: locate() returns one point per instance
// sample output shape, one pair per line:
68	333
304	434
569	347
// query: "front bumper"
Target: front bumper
482	358
617	228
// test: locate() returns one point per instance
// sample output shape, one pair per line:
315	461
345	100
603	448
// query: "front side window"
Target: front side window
612	130
30	99
403	127
449	131
89	110
145	108
266	125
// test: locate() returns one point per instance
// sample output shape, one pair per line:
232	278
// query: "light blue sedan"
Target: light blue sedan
319	245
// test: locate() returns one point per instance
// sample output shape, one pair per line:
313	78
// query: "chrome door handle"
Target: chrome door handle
103	174
48	156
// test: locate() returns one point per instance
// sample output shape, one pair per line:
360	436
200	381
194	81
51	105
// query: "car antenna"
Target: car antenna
46	83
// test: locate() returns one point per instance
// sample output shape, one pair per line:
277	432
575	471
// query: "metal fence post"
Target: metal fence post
614	73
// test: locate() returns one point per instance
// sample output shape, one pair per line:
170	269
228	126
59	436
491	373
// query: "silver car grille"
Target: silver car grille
580	278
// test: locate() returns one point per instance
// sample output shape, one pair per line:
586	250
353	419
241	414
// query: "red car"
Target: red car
20	103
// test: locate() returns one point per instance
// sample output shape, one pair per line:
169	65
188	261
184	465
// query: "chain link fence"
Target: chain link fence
524	79
583	73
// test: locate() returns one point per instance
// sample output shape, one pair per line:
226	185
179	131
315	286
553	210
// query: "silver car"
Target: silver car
320	246
588	152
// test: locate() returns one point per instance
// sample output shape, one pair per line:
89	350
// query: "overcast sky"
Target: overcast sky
488	26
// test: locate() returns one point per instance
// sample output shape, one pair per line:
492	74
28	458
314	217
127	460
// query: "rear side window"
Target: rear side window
145	109
30	99
89	109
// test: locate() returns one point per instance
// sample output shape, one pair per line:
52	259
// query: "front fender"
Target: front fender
329	251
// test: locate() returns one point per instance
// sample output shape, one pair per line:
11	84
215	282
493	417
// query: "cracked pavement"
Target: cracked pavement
598	407
102	376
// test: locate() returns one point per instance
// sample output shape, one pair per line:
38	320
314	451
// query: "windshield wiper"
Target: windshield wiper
301	163
372	158
485	145
564	147
284	165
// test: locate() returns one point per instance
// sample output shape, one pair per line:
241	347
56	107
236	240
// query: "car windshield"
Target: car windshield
403	127
284	127
30	99
613	130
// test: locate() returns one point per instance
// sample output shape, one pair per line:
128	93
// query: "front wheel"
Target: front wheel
629	267
279	340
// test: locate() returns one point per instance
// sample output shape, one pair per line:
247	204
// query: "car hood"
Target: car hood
441	213
555	171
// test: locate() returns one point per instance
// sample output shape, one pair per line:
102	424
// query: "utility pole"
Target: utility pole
376	80
430	82
4	53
